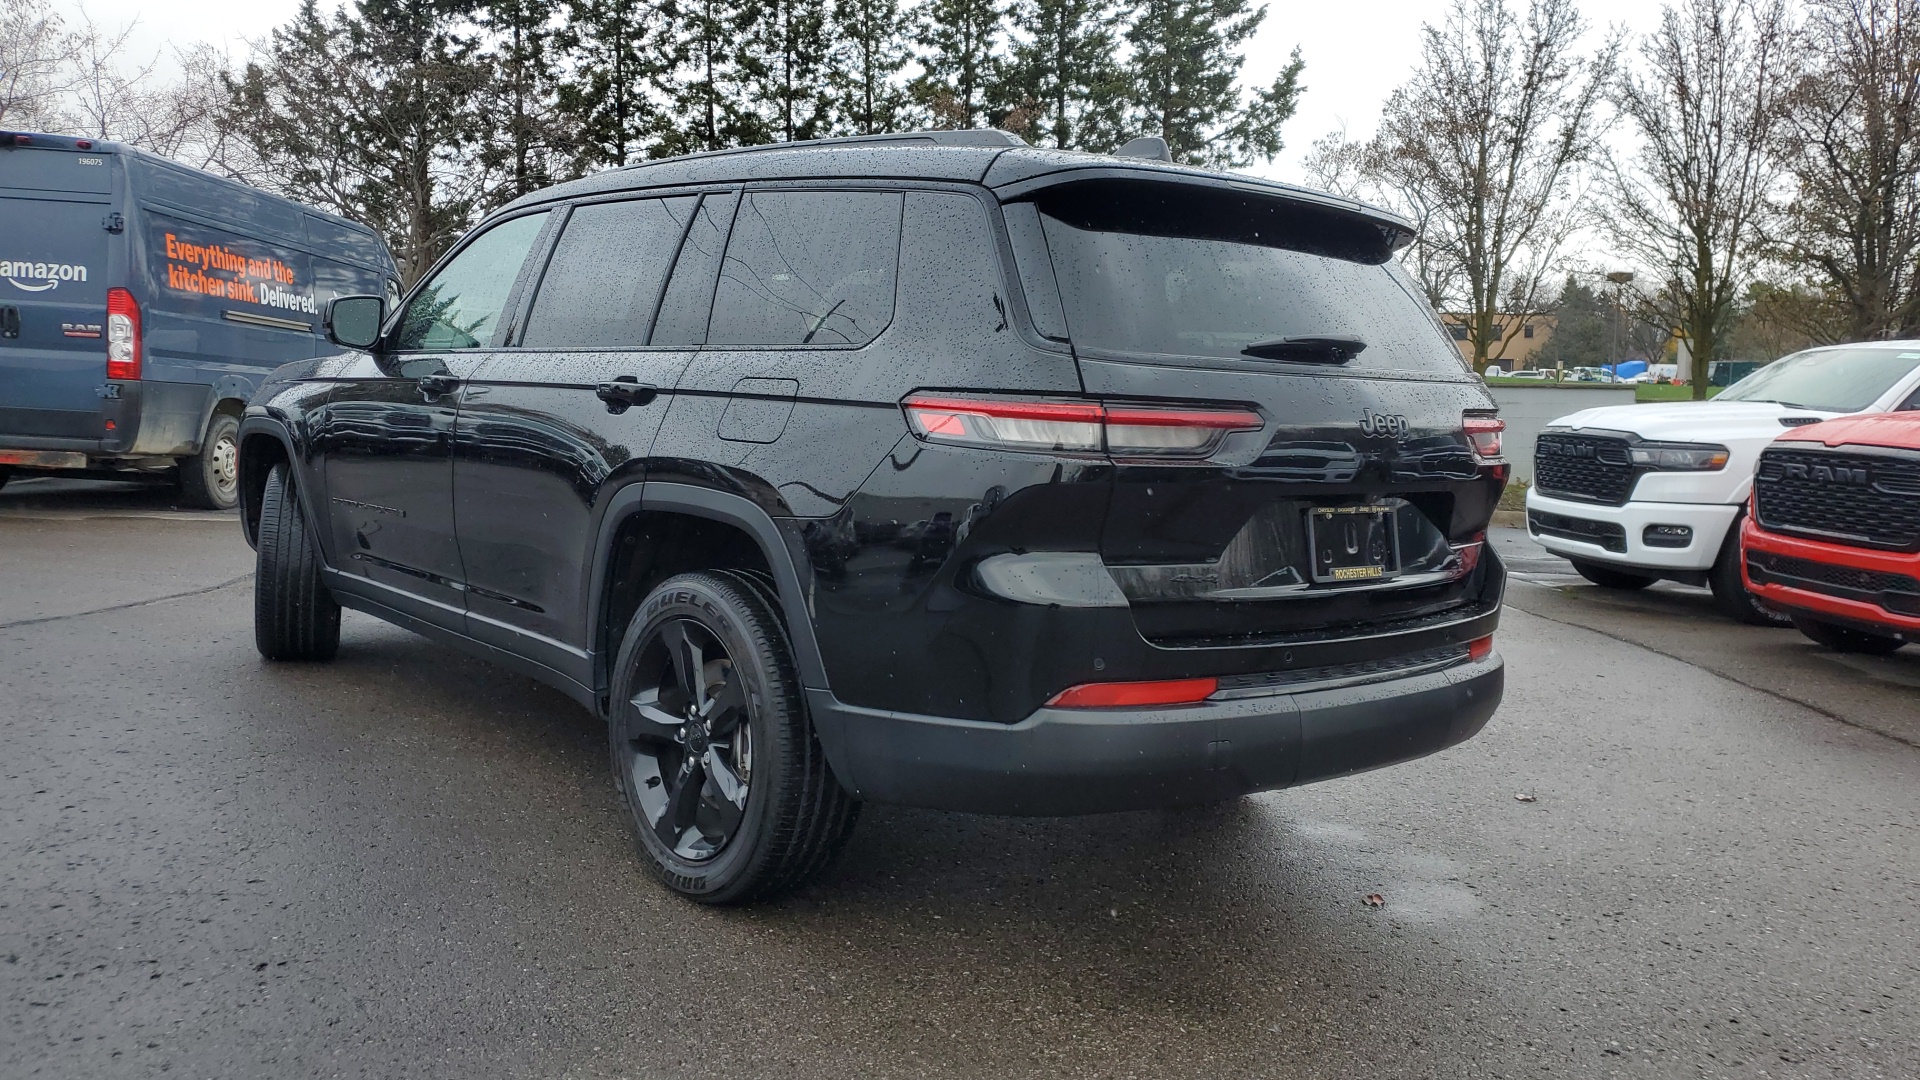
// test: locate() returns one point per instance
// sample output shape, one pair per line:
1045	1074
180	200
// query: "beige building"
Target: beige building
1534	330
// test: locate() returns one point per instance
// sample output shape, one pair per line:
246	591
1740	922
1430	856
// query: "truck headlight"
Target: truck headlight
1679	457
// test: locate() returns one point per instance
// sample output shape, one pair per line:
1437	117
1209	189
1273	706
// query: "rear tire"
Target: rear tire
1730	593
210	479
729	796
294	616
1845	638
1608	578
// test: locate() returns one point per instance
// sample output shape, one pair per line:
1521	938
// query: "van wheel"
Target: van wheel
294	616
1608	578
1730	592
210	479
1845	638
728	794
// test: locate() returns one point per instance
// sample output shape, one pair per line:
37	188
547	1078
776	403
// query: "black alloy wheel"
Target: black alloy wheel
689	749
728	792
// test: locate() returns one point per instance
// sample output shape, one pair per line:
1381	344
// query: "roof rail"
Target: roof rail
988	137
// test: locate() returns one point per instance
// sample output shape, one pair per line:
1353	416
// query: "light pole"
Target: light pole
1621	279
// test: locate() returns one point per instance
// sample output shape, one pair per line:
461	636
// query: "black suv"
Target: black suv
929	469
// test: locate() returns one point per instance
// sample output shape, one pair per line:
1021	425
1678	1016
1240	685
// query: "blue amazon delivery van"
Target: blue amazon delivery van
142	301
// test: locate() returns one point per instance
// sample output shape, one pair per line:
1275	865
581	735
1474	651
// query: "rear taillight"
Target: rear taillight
1133	695
1480	648
1484	433
1076	427
123	335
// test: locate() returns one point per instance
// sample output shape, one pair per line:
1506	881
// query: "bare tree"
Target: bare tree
1706	105
1852	148
1483	147
35	51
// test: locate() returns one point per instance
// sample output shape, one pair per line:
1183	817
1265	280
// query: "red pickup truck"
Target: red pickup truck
1833	536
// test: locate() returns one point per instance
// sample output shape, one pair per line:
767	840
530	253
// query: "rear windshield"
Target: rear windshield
1158	270
1827	380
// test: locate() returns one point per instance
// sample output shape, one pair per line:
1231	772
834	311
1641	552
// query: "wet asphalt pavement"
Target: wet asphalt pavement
408	863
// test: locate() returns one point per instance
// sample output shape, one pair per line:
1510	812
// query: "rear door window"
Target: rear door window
461	307
603	282
809	268
1161	271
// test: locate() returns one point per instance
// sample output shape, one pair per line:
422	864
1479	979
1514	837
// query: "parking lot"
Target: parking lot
1682	848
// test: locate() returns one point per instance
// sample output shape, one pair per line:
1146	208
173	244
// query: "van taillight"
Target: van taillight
123	335
1078	427
1484	433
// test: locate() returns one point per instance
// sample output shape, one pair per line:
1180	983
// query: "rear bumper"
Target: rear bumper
1857	586
1616	535
148	420
1080	761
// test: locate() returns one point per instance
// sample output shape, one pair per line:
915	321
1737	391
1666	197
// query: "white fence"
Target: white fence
1527	409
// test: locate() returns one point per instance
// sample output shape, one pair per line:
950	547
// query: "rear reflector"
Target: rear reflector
123	335
1480	648
1121	695
1485	432
1078	427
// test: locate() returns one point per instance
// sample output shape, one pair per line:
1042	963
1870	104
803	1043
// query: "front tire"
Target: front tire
1845	638
728	793
210	479
294	616
1730	593
1608	578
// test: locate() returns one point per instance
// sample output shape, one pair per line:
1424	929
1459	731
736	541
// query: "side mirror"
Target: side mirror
354	321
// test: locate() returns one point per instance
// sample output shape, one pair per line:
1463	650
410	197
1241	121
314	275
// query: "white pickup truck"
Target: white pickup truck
1631	494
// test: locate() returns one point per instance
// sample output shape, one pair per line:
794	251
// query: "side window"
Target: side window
689	297
809	268
461	307
603	281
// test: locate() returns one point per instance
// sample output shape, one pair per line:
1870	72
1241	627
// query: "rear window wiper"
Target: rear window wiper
1321	349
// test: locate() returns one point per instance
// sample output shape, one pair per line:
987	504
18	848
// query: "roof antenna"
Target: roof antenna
1151	147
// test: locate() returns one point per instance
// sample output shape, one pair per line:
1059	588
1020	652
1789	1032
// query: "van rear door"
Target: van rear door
54	252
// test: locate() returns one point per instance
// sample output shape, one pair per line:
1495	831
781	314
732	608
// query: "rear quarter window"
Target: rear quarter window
809	268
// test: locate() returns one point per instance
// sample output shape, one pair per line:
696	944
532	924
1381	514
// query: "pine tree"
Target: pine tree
870	47
710	98
785	64
371	113
525	139
958	42
1186	65
1063	85
622	52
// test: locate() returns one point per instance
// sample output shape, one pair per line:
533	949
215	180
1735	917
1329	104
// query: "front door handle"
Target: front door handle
625	391
435	385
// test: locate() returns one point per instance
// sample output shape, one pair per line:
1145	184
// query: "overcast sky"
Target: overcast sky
1356	51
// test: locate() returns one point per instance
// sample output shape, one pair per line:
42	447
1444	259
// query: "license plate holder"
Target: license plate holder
1350	544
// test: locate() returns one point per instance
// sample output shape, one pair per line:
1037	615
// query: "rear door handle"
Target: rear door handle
9	321
625	391
435	385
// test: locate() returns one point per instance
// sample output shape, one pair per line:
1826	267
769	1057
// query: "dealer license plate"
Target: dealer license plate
1352	543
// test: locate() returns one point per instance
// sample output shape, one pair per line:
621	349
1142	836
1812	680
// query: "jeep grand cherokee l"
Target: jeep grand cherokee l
927	469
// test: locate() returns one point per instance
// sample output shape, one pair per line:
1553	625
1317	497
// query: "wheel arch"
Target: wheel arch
736	533
264	443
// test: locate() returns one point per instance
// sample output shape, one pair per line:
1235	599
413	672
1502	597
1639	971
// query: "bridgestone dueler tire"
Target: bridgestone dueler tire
797	815
1608	578
1730	593
1846	639
210	479
294	616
